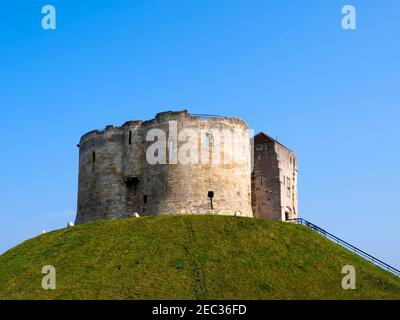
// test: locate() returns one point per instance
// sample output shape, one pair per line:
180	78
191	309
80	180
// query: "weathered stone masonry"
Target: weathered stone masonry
274	180
116	180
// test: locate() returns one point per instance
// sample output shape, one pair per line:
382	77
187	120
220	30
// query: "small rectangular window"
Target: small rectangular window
145	198
94	156
211	196
130	137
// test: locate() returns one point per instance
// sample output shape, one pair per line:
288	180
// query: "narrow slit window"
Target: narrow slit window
130	138
206	141
94	156
171	151
211	196
145	198
208	146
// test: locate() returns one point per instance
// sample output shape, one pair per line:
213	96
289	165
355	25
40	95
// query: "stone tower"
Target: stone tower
117	179
274	180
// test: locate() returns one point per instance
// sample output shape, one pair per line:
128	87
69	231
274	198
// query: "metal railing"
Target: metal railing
207	115
347	245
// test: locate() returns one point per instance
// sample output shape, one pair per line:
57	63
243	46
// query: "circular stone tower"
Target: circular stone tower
176	163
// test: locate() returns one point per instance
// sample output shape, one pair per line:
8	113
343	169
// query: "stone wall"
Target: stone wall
288	181
274	180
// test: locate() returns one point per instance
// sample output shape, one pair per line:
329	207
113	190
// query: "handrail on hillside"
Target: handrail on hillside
346	245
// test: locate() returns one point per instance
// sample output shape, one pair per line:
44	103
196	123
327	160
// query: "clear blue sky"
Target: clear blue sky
287	67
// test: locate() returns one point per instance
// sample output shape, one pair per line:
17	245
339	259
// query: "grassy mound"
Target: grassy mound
189	257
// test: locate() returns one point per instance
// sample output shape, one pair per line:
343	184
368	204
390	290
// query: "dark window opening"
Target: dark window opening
94	156
130	137
145	198
287	217
132	182
211	196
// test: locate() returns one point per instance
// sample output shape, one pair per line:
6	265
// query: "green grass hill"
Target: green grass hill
189	257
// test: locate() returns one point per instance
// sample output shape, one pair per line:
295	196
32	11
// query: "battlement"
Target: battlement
165	116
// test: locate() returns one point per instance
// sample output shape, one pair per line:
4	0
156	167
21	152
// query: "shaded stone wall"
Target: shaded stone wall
116	180
274	180
266	185
100	189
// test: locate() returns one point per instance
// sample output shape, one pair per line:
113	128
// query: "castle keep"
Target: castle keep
178	163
